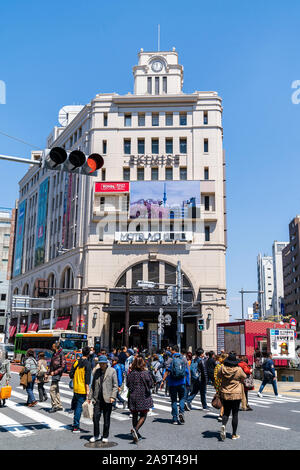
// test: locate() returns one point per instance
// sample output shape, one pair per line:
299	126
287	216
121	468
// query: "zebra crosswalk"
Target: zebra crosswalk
21	421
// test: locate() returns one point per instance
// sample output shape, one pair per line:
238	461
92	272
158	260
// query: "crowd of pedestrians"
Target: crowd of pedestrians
131	377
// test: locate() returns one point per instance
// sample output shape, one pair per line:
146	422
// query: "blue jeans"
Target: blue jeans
198	386
29	390
174	391
78	401
265	382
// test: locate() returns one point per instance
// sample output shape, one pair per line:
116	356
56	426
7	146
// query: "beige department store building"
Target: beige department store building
159	198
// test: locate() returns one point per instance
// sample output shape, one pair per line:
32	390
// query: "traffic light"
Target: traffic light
200	324
73	162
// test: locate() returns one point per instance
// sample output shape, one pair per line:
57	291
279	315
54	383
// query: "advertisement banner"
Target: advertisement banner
164	199
19	238
41	223
281	343
112	187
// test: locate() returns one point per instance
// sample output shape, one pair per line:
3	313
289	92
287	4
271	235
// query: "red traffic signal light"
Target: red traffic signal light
73	162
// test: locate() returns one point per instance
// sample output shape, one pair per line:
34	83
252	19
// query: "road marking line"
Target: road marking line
40	418
273	426
12	426
295	411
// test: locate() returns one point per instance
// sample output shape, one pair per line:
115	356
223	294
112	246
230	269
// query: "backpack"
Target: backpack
178	367
194	368
72	371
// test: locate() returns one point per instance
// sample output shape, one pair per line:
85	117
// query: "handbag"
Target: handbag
87	410
5	392
216	402
249	381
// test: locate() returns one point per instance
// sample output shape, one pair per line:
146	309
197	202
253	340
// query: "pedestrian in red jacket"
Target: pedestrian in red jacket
248	371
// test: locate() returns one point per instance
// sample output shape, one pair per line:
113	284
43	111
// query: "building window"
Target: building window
141	119
155	146
157	85
165	89
155	119
169	173
149	85
205	146
79	132
140	174
153	271
206	173
183	173
154	174
126	174
136	274
104	146
105	119
207	233
169	146
206	203
182	119
127	146
205	117
169	119
127	120
141	146
183	145
103	175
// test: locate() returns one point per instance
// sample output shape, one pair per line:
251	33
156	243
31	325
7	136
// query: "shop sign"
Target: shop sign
112	187
281	343
154	160
142	237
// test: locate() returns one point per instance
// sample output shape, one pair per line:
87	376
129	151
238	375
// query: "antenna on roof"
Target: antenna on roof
158	38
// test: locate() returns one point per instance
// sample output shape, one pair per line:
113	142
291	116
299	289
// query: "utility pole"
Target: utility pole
242	292
126	335
179	304
52	312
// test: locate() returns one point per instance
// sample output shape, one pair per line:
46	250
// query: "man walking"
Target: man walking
103	393
57	367
81	373
177	375
199	379
269	376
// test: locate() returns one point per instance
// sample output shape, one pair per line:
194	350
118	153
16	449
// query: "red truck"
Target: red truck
248	338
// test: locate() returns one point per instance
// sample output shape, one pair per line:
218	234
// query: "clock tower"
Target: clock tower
158	73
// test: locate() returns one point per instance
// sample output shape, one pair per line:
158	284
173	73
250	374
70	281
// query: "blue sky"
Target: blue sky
57	53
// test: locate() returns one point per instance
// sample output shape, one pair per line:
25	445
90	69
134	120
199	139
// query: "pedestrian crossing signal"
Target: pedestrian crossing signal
73	162
200	324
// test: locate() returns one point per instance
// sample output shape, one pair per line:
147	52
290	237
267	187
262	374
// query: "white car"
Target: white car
9	348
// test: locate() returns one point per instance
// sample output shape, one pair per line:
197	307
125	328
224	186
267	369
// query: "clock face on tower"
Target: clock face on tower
156	66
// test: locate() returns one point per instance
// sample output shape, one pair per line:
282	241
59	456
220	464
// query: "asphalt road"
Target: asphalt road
273	424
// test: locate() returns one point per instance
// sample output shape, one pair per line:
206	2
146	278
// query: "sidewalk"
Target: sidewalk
291	389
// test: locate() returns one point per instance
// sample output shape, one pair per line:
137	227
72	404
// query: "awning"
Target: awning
23	328
12	330
33	327
62	323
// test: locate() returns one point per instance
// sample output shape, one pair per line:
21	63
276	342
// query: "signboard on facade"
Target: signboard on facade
142	237
231	338
41	223
281	343
112	187
164	199
154	160
19	238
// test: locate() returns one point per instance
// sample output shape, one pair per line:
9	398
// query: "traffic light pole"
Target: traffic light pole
20	160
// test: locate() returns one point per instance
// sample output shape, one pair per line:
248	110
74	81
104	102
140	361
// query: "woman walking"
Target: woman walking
156	368
139	383
218	381
231	392
32	367
248	384
42	377
4	372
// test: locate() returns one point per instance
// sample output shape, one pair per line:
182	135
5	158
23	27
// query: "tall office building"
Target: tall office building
5	227
159	199
265	285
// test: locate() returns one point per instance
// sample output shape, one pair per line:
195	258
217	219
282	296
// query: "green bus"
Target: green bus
43	339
